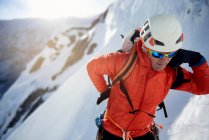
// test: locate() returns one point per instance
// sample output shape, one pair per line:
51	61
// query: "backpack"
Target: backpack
129	45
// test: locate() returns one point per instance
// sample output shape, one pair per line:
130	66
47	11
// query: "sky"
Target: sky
13	9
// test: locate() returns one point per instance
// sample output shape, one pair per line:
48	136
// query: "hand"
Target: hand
186	56
104	95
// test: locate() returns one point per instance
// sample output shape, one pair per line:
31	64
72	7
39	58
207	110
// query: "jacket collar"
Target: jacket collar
145	61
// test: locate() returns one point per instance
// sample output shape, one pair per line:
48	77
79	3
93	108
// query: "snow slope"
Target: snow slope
193	122
21	40
64	53
69	113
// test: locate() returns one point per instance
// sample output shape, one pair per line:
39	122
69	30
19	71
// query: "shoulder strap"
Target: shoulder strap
122	74
120	77
123	89
162	106
127	68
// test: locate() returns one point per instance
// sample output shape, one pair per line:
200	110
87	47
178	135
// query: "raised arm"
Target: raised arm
196	82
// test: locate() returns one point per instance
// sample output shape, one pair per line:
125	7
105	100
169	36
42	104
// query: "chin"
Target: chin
159	69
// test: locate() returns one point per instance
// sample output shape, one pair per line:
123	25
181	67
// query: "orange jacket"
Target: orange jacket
146	87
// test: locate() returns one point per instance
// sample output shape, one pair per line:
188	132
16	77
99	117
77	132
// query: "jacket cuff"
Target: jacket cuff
200	62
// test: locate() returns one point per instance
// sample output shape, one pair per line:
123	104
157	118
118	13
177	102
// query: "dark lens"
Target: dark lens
157	55
171	54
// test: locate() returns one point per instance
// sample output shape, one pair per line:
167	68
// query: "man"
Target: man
157	70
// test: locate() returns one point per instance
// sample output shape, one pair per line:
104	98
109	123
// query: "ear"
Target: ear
182	37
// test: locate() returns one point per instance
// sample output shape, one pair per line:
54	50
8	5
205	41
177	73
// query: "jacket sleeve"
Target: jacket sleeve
196	82
103	65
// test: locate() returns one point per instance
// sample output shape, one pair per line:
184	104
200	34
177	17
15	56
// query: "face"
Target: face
159	64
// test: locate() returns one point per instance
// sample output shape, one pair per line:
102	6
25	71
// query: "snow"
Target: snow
70	112
69	108
41	79
192	124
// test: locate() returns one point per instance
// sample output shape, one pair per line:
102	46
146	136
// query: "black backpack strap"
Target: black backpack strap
162	106
179	78
133	111
178	81
123	89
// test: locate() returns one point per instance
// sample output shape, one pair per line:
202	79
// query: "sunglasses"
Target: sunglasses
161	55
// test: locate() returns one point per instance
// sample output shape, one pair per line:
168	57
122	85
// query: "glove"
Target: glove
130	39
104	95
186	56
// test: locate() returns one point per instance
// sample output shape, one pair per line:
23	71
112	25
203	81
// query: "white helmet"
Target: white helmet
162	33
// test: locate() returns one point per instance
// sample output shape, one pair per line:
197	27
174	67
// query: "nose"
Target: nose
164	59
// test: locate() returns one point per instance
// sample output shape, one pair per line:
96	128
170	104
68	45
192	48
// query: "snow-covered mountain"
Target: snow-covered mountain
62	55
70	111
20	41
